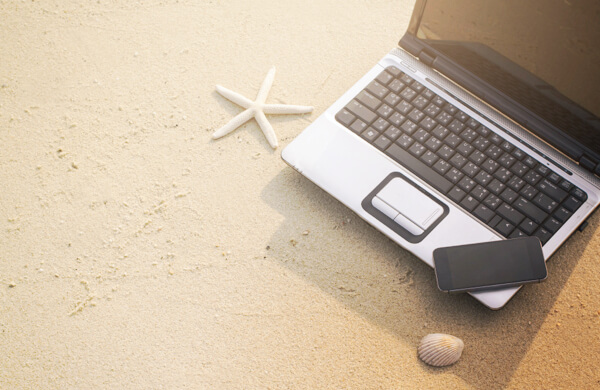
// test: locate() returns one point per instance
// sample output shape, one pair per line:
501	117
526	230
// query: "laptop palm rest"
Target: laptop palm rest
405	207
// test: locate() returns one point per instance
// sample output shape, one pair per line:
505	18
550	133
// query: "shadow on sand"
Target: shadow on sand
390	287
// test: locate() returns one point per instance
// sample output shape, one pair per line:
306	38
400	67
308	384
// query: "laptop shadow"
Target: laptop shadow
390	287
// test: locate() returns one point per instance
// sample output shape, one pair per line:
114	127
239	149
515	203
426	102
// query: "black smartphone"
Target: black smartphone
488	265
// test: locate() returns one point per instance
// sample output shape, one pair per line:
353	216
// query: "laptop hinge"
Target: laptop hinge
587	163
426	58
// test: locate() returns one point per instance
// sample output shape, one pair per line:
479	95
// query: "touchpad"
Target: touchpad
407	205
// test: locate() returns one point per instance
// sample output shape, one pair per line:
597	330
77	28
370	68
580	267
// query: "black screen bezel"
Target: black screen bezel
442	257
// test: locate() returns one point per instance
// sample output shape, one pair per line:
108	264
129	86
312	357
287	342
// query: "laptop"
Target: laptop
483	124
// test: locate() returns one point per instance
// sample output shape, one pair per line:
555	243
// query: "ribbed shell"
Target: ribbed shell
438	349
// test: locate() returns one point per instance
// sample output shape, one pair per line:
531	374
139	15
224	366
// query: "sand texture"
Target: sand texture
138	253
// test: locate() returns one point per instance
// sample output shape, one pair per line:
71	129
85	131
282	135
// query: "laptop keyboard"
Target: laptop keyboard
484	174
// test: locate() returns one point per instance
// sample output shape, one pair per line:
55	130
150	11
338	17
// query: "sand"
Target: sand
137	253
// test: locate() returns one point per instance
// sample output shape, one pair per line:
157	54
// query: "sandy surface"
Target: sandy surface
138	253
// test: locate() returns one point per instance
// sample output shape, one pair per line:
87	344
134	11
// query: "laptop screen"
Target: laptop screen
543	54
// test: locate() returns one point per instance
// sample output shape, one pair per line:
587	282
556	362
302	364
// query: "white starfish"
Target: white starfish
257	109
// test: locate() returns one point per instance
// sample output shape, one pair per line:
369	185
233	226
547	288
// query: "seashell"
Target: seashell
438	349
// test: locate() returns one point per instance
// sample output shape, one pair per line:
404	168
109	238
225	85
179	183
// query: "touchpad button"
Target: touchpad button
410	203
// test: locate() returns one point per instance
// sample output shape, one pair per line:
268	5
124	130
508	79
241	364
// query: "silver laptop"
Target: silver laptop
482	125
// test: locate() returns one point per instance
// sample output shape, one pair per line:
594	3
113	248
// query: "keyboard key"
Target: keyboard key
458	160
545	203
456	126
516	183
370	134
517	234
384	77
553	177
429	158
454	175
408	94
495	139
543	234
403	107
519	169
466	184
510	214
518	154
405	141
483	178
477	157
565	185
392	99
472	123
507	146
532	177
396	86
484	131
456	194
380	125
530	162
479	193
502	174
492	201
409	127
504	228
552	190
417	86
450	109
394	71
495	221
420	101
552	225
396	119
368	100
562	214
528	226
494	152
358	126
377	89
464	148
361	111
385	110
470	169
469	203
442	167
439	101
542	170
529	192
462	116
571	204
530	210
440	132
444	118
421	135
428	93
433	144
392	133
419	168
507	160
428	124
483	213
579	194
432	110
382	142
469	135
453	140
490	165
509	196
345	117
445	152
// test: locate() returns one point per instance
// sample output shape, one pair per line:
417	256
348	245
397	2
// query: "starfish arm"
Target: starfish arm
266	87
234	97
233	124
267	129
286	109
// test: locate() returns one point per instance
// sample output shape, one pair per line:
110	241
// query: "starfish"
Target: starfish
257	109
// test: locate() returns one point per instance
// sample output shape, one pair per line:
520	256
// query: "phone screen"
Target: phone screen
491	264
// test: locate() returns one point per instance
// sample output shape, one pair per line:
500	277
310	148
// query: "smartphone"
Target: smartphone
490	265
